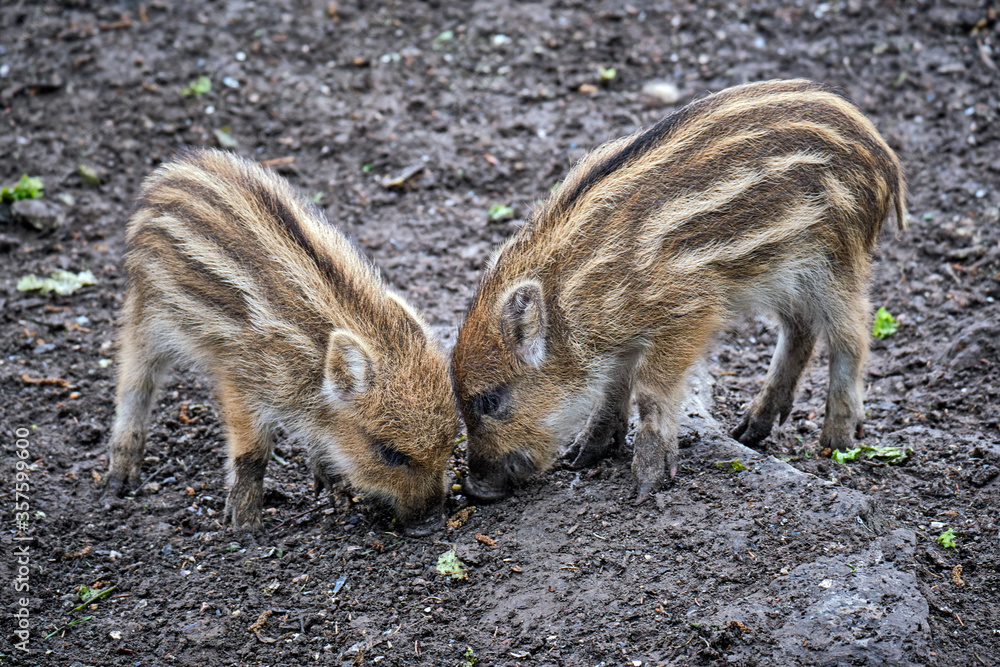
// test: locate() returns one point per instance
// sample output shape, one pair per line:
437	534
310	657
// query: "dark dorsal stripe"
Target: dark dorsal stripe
648	139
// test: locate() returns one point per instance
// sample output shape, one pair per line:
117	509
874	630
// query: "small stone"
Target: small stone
89	174
40	214
664	91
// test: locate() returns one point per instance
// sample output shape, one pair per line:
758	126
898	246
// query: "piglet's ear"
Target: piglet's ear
348	367
522	322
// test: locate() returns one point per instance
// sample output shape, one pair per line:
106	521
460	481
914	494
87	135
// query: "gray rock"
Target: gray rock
850	609
859	610
40	214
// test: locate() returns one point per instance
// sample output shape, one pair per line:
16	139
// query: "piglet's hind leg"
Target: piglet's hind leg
796	340
139	373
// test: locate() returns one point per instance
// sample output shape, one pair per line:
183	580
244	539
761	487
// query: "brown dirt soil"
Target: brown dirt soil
494	101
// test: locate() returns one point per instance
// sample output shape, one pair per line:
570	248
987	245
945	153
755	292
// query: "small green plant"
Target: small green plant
63	283
607	73
843	457
500	212
198	87
888	454
735	464
443	37
68	625
885	324
26	188
947	539
470	658
316	198
367	168
88	595
450	564
224	136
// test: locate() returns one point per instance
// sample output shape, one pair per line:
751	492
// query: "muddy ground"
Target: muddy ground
464	105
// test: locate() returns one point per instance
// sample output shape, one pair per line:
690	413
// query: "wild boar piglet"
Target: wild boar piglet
766	198
232	273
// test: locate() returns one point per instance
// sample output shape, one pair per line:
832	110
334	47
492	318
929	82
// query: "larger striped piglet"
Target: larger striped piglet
766	198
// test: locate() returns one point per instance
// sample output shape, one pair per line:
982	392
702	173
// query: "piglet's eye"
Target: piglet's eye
391	455
490	403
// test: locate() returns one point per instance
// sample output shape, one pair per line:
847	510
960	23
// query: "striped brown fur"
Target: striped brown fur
233	273
766	198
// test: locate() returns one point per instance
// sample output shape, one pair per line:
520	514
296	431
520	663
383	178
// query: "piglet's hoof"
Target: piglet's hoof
115	488
645	491
425	527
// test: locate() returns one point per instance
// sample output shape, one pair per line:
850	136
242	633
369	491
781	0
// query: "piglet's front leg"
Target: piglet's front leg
656	449
250	444
606	429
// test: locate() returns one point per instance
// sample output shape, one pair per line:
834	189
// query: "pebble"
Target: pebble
38	213
664	91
